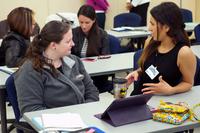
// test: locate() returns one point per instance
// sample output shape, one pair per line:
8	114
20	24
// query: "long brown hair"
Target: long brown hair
21	20
167	13
93	36
51	32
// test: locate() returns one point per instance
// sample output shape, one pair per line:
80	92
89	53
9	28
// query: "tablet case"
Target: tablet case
127	110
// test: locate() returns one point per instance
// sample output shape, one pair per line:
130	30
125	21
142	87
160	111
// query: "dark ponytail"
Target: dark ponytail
52	32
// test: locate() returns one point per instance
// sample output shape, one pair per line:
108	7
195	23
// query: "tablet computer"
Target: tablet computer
127	110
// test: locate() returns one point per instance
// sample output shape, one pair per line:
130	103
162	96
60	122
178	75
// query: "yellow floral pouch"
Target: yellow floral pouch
171	113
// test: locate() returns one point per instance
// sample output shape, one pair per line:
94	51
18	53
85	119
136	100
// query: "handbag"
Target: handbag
171	113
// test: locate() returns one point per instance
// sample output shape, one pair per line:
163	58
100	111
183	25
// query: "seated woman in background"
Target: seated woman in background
21	23
50	76
167	64
90	40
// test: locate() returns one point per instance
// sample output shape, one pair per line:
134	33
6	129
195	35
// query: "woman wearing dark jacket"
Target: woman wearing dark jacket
79	38
50	76
90	40
16	42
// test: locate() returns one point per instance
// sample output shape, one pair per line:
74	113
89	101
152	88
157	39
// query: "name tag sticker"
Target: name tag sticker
152	72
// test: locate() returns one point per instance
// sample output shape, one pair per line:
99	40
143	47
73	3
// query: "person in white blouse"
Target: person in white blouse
140	7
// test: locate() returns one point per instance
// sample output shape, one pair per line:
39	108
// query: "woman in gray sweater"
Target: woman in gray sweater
50	76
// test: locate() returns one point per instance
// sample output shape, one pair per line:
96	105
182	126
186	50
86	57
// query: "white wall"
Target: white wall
43	8
39	6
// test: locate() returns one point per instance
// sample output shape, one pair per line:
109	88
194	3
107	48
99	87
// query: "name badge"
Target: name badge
152	72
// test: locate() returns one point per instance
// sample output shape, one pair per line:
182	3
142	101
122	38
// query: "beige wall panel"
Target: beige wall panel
116	7
197	17
191	5
43	8
64	5
39	6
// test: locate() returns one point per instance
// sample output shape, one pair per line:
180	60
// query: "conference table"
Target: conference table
196	50
137	32
88	110
115	63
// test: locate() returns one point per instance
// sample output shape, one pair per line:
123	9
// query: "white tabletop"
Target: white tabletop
116	63
87	112
196	50
3	78
130	34
189	27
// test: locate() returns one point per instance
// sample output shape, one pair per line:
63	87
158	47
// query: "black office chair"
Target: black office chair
12	97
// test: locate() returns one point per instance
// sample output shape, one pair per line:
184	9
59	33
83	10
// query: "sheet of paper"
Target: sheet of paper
64	120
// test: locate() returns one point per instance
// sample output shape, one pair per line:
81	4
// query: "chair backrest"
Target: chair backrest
187	15
114	44
197	33
12	96
136	58
4	28
127	19
197	73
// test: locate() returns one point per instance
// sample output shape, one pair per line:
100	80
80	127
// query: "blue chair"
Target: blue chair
186	14
197	73
12	97
136	58
114	44
197	33
127	19
187	17
131	20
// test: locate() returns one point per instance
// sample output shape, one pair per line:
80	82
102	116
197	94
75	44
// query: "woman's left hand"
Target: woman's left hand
162	88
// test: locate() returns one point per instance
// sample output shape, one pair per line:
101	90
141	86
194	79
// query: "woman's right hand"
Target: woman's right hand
133	76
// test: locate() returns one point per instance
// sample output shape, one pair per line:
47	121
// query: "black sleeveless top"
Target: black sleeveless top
166	64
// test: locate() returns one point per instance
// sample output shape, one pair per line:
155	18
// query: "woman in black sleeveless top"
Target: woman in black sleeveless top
167	64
